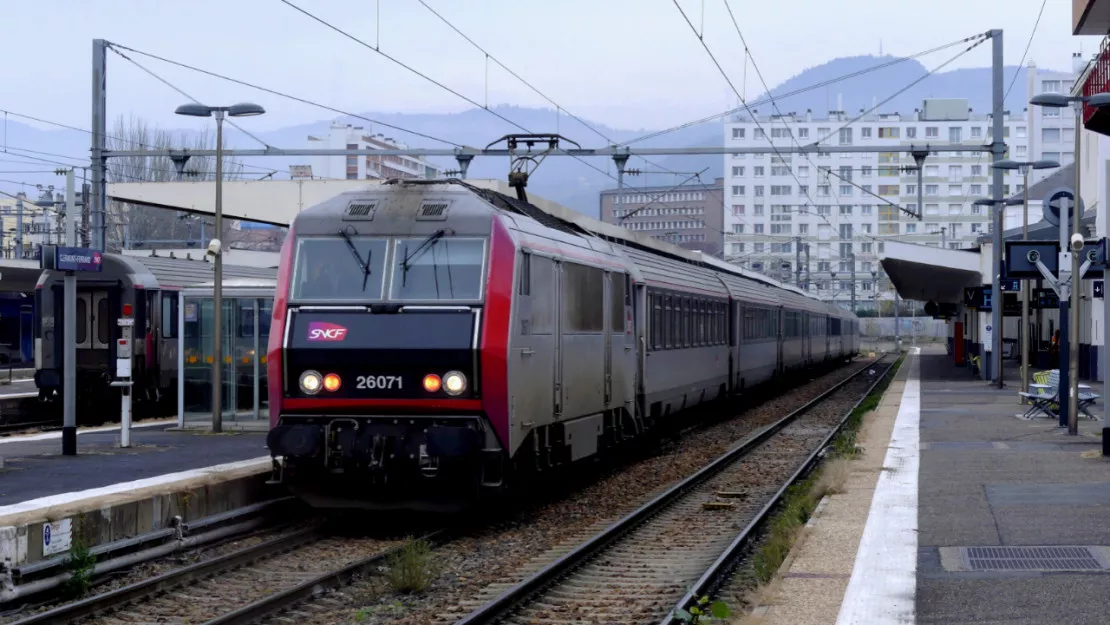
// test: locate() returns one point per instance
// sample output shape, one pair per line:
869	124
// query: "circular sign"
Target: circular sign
988	328
1050	205
46	534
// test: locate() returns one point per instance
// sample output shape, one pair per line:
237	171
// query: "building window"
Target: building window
865	133
737	171
911	132
910	228
737	210
866	210
932	131
738	189
1050	86
1052	156
955	134
845	136
1050	135
1020	132
932	189
737	133
803	228
888	189
757	210
955	189
738	228
888	133
846	210
757	171
758	190
803	170
911	189
1020	151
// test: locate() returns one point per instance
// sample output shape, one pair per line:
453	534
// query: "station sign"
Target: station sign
1010	285
1044	299
1099	291
59	258
981	298
1060	201
1020	265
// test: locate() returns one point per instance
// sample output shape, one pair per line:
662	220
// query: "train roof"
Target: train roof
181	273
552	215
159	272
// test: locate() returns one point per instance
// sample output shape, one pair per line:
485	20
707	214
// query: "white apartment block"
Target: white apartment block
365	167
843	206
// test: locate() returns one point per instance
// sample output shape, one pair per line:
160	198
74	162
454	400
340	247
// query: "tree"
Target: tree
128	223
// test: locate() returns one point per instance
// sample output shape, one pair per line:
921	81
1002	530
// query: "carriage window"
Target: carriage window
541	288
525	274
584	292
616	299
103	319
169	315
326	269
82	321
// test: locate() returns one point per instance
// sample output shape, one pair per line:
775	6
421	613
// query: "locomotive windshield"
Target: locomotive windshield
327	271
438	267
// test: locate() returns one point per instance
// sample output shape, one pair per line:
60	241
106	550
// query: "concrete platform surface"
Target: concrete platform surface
1009	517
33	466
990	479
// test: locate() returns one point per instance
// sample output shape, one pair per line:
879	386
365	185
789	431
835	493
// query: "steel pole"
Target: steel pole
998	150
1076	285
69	333
1025	286
217	285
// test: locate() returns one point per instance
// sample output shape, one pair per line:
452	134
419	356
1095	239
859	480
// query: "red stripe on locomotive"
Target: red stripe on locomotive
496	322
277	330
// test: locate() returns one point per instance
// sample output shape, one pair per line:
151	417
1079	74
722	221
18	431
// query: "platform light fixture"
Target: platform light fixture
196	109
1060	100
1025	167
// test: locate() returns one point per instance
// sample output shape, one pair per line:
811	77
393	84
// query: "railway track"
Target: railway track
9	429
243	586
680	545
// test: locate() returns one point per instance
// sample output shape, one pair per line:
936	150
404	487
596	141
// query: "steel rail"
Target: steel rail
714	576
286	599
122	596
514	597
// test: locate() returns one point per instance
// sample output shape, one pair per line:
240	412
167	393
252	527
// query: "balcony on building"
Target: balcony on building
1090	17
1096	79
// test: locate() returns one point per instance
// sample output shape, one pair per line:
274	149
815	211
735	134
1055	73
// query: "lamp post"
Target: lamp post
235	110
1069	377
998	210
1025	167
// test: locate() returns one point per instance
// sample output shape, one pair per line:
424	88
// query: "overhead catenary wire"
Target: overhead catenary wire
282	94
798	91
1017	72
162	80
430	79
87	131
558	107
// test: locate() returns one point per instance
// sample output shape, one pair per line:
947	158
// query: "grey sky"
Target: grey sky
627	63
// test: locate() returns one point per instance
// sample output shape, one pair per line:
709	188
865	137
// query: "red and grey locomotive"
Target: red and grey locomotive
433	339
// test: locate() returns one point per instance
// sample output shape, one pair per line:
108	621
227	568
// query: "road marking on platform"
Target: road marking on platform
884	578
42	436
262	463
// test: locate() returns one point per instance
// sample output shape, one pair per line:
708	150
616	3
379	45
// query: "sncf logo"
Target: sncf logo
324	331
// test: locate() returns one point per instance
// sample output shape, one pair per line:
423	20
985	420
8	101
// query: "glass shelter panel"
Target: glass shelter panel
245	334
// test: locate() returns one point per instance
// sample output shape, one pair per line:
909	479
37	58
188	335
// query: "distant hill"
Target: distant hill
568	181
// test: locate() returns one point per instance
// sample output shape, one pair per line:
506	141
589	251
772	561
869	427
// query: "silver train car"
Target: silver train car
432	340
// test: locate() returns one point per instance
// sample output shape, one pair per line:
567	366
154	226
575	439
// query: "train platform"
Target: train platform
958	511
122	492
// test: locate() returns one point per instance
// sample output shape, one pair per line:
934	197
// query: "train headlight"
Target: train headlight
311	382
332	382
432	383
454	383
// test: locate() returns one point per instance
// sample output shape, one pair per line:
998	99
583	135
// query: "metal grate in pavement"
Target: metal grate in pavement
1032	559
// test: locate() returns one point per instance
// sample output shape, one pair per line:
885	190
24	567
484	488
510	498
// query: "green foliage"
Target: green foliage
802	498
704	612
410	568
80	563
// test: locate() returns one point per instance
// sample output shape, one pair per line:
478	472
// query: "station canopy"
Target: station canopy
924	273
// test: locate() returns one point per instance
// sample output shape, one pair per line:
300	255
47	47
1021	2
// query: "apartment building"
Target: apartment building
365	167
691	215
838	209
